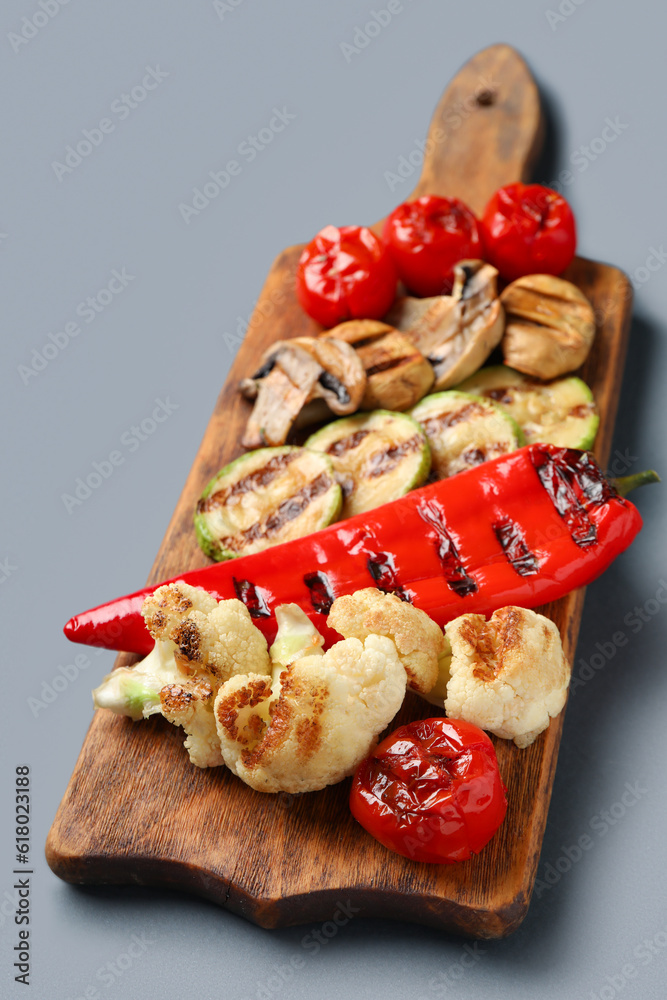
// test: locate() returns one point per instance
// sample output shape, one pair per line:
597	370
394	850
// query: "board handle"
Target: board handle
487	130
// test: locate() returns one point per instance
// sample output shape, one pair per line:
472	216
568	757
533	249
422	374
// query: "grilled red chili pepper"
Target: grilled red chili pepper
522	529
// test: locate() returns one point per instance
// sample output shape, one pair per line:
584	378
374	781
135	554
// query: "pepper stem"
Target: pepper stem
627	483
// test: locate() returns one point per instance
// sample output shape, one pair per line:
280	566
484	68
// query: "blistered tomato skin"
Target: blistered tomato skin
528	229
431	791
345	273
426	238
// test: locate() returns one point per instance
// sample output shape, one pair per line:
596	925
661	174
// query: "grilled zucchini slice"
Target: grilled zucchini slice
561	412
465	430
269	496
378	457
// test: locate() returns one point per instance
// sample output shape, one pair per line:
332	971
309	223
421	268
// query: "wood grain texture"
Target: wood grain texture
136	810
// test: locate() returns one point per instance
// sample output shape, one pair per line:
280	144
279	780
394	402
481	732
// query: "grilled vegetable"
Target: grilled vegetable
562	412
267	497
550	326
293	378
508	674
431	791
397	374
464	430
377	457
455	332
523	529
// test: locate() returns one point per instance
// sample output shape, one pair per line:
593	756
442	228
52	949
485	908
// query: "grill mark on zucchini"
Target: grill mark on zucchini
339	447
382	462
453	569
582	410
433	424
474	455
253	480
513	543
288	510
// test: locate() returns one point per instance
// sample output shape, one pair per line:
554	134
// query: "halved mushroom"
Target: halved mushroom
307	378
398	375
455	332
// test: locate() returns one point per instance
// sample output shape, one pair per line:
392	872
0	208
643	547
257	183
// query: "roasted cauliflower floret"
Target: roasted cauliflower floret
508	674
190	704
158	685
316	721
216	637
418	639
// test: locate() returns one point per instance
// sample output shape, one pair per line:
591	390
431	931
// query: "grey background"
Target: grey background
170	334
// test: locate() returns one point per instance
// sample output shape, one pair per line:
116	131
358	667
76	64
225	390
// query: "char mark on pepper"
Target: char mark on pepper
253	598
288	510
260	477
382	568
591	480
558	472
452	567
321	594
382	462
513	543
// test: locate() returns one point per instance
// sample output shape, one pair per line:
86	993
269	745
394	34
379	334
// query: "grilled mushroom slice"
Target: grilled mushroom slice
455	332
294	375
397	374
550	326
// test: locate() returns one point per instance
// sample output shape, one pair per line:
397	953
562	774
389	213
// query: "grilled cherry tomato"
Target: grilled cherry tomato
528	229
426	238
345	273
431	791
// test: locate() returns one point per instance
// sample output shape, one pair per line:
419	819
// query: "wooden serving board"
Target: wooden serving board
136	810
